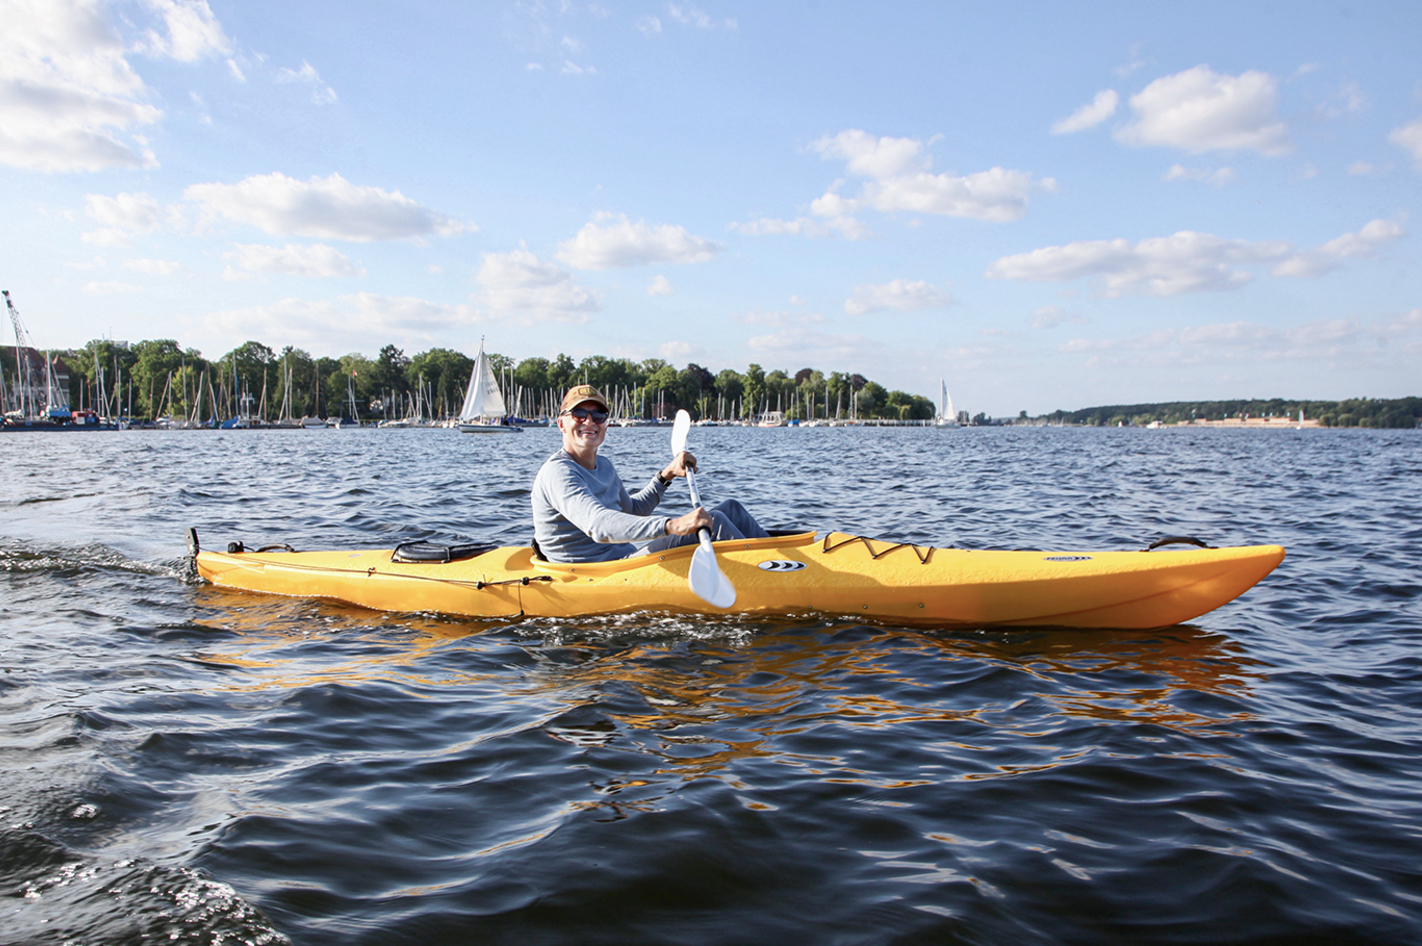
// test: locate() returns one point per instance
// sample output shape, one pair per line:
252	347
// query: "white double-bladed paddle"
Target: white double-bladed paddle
707	581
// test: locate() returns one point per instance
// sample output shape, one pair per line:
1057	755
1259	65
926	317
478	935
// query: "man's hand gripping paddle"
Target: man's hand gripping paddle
707	581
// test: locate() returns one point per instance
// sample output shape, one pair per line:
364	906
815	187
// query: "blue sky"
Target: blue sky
1047	205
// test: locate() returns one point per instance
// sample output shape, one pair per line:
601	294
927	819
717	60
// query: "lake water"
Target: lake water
188	765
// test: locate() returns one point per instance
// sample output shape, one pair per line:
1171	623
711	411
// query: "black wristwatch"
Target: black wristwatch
664	482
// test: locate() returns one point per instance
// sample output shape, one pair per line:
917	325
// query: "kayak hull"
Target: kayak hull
839	575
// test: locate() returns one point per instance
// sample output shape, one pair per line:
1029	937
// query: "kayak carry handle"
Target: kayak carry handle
237	548
1176	540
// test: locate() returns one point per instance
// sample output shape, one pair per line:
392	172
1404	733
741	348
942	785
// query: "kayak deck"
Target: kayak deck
840	574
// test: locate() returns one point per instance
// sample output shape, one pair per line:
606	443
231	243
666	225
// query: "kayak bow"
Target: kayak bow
841	574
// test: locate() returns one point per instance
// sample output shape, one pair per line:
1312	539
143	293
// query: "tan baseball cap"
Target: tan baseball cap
579	393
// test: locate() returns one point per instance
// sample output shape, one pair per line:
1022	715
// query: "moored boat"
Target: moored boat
837	575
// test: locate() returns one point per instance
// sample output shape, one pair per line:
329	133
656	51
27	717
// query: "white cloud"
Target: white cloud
777	318
649	25
1409	138
110	288
1352	97
107	236
899	178
136	213
660	286
1361	245
1051	316
1126	70
692	15
329	208
123	216
810	347
350	320
1323	340
612	242
68	97
518	283
1363	168
321	93
317	260
192	31
1185	262
845	224
680	351
571	68
898	294
1201	110
1220	177
1089	115
154	267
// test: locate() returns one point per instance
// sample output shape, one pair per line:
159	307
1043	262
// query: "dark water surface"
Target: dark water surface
187	765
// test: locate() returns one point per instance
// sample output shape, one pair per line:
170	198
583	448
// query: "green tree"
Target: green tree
810	391
532	373
730	387
101	371
296	389
754	390
390	377
872	399
333	387
154	361
562	374
662	392
697	386
251	362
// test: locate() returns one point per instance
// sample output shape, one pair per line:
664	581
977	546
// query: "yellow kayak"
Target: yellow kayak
837	574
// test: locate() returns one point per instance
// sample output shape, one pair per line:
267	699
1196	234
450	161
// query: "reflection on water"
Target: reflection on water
674	676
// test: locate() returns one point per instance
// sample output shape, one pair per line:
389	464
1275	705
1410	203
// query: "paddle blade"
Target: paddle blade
707	580
680	429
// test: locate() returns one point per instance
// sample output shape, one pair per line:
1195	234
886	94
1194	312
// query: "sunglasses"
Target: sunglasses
582	413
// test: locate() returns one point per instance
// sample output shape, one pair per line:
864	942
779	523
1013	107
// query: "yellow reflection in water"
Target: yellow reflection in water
718	695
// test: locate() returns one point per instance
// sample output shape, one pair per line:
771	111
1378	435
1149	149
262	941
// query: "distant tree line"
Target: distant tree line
1356	412
159	377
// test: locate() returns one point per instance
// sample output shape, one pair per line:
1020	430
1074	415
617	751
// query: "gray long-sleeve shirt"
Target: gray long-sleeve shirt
582	515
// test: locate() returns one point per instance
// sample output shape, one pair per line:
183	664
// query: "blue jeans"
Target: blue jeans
730	521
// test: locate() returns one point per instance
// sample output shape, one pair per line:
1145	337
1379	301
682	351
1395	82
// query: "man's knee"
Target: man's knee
723	527
731	508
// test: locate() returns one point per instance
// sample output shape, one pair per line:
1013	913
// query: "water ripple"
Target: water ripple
196	764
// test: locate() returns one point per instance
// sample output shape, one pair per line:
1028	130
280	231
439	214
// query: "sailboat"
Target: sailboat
946	417
484	411
340	420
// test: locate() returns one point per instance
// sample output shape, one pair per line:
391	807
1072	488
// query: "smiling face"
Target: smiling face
581	438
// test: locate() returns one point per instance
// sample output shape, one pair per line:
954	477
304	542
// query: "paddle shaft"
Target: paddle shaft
703	533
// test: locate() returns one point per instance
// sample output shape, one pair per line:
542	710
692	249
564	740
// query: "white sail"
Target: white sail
946	415
482	399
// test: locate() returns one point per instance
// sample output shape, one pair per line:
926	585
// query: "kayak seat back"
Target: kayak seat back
437	552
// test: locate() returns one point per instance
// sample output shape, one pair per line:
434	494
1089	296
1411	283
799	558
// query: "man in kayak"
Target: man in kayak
583	513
